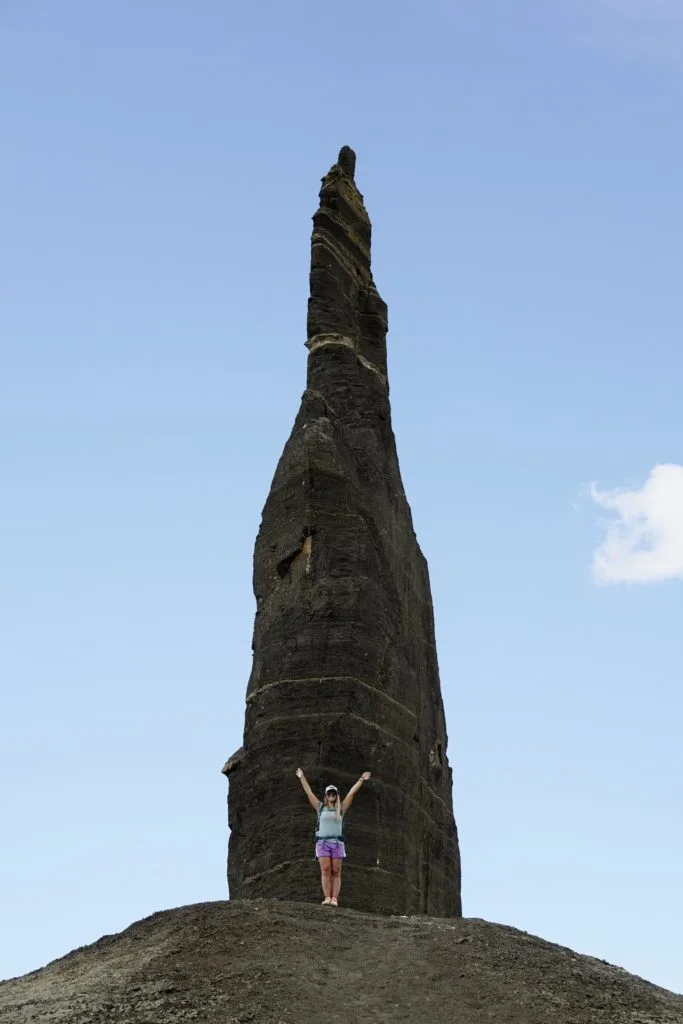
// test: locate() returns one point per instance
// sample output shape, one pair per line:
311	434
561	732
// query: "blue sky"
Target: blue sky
161	162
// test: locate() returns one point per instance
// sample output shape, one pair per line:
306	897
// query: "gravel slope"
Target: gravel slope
272	962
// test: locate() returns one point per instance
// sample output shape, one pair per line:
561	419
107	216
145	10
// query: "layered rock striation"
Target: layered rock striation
345	674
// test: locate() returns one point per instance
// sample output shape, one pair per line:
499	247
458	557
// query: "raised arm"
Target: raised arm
346	803
312	798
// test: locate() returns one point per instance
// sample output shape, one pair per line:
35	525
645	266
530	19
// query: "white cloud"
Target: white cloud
644	544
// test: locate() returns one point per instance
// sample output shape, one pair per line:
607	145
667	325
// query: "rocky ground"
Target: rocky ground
271	962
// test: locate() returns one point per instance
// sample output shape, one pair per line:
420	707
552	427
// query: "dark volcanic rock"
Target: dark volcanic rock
345	674
286	963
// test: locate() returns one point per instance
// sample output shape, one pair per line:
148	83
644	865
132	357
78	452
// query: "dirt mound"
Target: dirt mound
270	962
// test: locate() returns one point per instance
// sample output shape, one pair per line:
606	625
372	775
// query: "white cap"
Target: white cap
331	789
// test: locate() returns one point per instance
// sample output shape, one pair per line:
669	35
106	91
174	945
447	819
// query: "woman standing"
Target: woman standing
329	847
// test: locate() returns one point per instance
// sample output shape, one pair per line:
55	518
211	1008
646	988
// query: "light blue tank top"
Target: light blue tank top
328	826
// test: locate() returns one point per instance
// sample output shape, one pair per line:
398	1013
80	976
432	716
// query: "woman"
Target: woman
329	847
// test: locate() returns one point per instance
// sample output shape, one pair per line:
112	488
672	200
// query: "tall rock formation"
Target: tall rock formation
345	674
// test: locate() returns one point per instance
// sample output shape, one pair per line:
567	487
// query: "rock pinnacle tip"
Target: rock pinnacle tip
347	161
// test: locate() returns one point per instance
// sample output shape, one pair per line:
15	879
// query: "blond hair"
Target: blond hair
338	806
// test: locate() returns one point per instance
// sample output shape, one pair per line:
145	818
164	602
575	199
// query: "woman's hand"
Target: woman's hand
346	802
312	798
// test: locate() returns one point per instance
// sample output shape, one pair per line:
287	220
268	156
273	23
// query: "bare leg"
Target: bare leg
336	878
326	876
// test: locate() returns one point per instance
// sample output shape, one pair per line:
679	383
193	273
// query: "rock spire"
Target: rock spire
345	674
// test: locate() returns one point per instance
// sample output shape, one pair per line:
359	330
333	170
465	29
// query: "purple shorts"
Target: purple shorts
333	848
